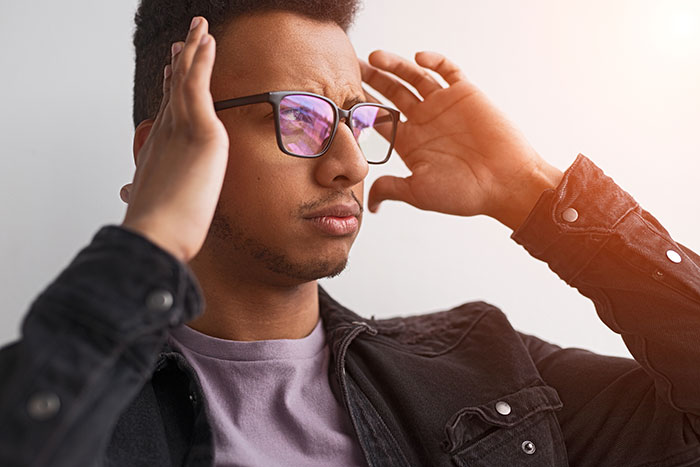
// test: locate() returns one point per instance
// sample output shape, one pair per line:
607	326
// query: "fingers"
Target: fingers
408	71
167	74
167	79
389	86
442	65
198	28
175	49
182	63
385	71
199	80
388	187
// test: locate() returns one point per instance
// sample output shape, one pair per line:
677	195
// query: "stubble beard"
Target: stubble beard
233	236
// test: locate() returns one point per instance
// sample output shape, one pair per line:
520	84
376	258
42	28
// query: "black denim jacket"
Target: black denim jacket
92	382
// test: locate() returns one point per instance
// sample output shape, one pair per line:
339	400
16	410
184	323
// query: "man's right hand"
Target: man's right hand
180	167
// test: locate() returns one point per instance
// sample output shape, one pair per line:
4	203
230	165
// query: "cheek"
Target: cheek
262	185
252	152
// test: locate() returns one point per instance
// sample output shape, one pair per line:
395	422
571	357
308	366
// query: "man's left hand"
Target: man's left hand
465	157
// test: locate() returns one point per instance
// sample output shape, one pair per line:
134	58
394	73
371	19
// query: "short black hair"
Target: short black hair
159	23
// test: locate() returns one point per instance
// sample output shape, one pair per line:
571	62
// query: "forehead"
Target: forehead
282	51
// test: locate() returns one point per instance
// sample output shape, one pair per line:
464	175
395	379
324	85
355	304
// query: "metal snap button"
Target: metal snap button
528	447
673	256
569	215
43	405
503	407
159	300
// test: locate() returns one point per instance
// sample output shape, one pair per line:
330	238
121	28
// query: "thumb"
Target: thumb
388	187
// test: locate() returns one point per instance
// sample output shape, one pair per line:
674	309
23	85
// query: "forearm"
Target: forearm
599	240
89	343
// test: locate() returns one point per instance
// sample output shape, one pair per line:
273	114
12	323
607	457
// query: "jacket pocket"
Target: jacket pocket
518	429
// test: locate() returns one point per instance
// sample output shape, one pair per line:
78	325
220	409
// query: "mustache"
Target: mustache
333	198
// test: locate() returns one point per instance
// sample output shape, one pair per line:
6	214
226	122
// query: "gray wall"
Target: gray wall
616	80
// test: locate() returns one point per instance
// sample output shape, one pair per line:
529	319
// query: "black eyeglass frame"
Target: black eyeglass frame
275	98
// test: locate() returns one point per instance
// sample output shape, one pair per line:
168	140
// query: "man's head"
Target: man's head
260	227
159	23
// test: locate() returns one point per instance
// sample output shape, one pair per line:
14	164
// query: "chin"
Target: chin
312	269
308	265
308	260
318	258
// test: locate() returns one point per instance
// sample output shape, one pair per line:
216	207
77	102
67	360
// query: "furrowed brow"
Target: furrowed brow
349	102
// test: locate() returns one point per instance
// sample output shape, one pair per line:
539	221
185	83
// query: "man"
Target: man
261	194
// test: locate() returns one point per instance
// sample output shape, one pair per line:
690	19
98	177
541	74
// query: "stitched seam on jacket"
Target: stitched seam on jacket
389	342
384	427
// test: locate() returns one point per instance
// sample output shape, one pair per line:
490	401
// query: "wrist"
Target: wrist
155	238
519	205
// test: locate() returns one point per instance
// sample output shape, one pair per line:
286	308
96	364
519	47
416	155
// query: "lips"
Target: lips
336	220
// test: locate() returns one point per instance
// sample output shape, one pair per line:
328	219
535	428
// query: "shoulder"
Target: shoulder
439	331
9	354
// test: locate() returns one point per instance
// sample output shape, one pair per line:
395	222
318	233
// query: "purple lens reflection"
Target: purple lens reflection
363	118
306	123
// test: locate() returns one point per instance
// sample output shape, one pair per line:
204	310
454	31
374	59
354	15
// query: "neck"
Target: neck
244	309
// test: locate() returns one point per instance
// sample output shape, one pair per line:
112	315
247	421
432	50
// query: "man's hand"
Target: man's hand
181	166
465	157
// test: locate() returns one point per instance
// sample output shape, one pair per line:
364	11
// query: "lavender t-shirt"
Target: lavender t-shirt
270	401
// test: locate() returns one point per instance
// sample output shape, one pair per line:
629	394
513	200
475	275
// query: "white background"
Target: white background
615	80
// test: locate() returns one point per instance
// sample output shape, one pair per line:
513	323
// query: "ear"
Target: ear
141	135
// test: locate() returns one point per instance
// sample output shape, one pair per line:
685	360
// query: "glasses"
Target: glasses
306	123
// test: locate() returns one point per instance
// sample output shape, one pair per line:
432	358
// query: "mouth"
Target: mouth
337	220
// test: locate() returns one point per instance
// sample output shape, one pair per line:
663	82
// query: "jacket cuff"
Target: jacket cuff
568	225
122	285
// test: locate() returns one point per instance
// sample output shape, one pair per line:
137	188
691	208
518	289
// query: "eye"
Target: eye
296	114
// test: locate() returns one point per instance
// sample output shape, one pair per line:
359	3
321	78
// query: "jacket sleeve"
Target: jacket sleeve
646	287
89	343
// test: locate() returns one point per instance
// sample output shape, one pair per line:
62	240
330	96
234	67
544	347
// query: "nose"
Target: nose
343	165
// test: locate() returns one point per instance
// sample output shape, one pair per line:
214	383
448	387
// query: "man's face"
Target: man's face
260	226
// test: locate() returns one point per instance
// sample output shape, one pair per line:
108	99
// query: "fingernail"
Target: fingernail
195	21
176	48
167	71
205	39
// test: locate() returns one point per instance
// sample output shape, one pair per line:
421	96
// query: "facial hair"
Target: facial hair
226	232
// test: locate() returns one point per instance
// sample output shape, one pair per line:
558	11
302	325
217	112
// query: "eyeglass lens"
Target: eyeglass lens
372	127
306	123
